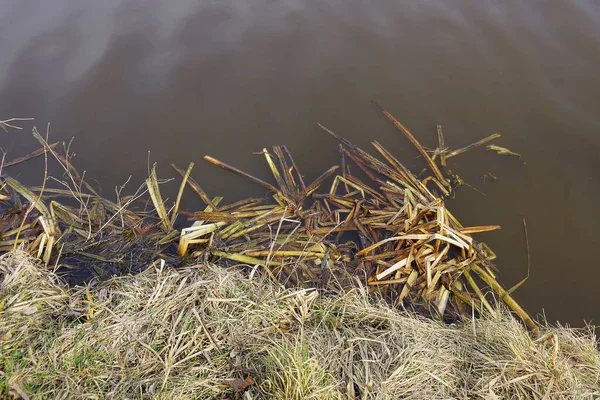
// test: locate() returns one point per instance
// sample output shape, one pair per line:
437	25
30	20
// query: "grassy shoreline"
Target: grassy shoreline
209	332
298	295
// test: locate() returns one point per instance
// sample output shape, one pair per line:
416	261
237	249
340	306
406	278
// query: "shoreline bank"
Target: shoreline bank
211	332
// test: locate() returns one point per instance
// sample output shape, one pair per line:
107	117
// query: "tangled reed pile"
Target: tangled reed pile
377	223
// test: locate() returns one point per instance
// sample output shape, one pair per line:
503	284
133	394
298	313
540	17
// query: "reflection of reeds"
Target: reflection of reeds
389	227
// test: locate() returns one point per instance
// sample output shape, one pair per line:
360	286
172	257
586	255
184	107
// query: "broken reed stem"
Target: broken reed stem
415	142
478	143
505	297
29	156
7	123
441	145
195	187
239	172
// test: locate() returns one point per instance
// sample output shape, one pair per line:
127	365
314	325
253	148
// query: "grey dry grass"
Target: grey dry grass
196	332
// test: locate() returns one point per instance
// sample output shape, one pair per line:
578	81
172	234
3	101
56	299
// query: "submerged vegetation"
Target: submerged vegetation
303	294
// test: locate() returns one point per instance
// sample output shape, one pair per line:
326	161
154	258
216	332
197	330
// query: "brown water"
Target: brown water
185	79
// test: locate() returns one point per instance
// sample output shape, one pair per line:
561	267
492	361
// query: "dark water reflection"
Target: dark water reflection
184	79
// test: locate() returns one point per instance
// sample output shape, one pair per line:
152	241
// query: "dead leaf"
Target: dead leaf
503	151
239	385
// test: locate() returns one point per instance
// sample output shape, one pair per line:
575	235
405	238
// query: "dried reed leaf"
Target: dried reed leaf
503	151
29	156
478	143
180	193
154	191
241	173
415	143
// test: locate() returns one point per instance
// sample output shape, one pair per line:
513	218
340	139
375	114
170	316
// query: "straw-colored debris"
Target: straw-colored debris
205	332
389	229
503	151
406	244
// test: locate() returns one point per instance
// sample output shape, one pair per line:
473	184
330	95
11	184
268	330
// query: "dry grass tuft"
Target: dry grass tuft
205	332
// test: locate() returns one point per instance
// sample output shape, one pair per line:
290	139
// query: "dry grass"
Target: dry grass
206	332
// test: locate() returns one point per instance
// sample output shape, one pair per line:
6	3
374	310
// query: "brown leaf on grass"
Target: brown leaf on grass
239	385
